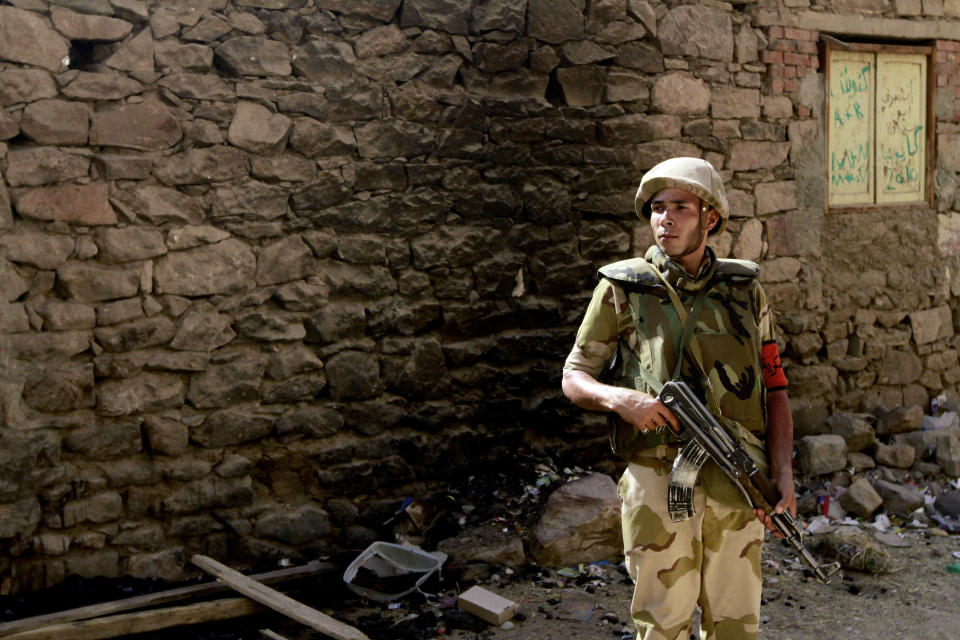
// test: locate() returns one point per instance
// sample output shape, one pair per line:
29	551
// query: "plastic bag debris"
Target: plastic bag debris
385	571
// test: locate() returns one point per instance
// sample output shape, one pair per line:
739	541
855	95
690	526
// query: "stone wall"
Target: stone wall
267	266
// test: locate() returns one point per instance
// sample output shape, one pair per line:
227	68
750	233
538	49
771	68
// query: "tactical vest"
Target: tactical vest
727	331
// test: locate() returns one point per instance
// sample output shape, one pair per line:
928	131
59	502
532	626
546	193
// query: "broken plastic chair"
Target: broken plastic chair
385	571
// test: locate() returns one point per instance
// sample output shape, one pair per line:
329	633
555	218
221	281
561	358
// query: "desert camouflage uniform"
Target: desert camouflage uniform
712	559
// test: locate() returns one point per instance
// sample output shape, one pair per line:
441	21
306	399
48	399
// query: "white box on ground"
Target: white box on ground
487	605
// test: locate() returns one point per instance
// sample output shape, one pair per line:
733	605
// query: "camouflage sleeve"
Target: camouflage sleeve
605	318
773	376
764	315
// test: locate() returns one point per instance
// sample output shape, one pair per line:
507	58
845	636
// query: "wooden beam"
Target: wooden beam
160	597
142	621
279	602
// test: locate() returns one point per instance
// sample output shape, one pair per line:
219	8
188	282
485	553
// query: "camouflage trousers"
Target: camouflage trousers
711	560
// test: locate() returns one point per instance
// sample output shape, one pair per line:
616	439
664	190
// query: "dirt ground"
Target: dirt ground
917	600
916	597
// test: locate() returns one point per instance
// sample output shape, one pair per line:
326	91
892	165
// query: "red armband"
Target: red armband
773	376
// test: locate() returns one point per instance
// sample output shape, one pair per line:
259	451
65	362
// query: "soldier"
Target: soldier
681	313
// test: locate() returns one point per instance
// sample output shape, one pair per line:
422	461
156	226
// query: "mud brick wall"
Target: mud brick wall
267	266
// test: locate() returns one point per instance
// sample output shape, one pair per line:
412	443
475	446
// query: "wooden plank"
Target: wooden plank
279	602
161	597
143	621
271	635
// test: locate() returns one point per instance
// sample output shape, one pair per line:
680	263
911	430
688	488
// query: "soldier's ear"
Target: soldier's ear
712	217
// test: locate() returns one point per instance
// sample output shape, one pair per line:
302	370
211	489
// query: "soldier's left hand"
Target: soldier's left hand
788	502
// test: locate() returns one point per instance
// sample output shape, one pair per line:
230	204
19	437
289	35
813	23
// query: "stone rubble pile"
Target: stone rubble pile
896	462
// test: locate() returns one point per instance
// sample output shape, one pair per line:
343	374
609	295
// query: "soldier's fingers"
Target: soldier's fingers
668	418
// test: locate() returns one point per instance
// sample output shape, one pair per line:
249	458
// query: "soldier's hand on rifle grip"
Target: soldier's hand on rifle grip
788	502
644	411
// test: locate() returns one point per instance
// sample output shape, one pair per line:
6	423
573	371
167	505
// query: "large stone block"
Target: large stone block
202	328
322	60
713	29
582	86
60	388
555	21
190	57
284	260
143	393
253	56
101	86
897	455
105	440
136	56
393	138
136	334
581	523
62	316
44	165
931	325
251	199
680	93
948	454
25	37
160	205
224	385
202	166
86	282
822	454
450	16
499	15
42	250
751	155
861	499
775	196
128	244
899	368
899	499
225	267
296	527
167	436
732	102
268	326
199	86
56	122
353	375
230	427
335	322
449	247
81	204
814	380
901	420
856	431
19	519
148	126
82	26
103	507
25	85
257	129
315	422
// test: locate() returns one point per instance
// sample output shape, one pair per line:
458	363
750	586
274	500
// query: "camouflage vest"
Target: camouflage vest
727	331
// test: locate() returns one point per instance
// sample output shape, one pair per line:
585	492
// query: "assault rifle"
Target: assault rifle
705	438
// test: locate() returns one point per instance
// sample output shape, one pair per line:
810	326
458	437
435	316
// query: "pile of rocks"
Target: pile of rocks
890	459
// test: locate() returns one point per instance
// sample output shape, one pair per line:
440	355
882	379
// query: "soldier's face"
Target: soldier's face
679	224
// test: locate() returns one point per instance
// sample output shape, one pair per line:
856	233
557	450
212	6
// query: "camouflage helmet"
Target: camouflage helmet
693	175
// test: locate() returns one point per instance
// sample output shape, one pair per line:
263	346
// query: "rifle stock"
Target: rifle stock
699	425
